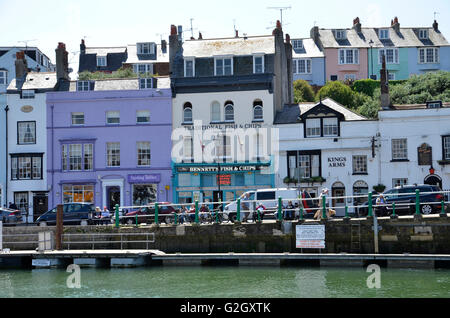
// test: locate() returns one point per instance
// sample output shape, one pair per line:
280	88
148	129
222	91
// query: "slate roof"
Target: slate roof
116	84
291	113
35	80
417	106
310	49
407	37
134	58
229	46
115	56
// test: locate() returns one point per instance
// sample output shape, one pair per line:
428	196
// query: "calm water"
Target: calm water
235	282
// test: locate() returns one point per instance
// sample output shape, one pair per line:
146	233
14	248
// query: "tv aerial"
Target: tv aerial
281	11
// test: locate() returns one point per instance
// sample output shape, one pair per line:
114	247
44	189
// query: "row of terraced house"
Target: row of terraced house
209	119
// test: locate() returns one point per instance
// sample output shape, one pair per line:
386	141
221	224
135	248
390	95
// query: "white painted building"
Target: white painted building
325	145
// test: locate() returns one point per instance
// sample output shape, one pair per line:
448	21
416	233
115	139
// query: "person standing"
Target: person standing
245	207
381	205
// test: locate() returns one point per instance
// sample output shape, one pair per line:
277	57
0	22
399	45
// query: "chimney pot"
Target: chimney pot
200	37
279	25
173	30
435	26
288	38
237	34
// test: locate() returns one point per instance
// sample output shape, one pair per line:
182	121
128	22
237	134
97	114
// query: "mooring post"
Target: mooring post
324	207
370	213
196	212
238	210
280	209
443	214
417	202
59	226
117	215
156	213
301	214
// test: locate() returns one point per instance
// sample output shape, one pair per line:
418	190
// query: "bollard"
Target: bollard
196	212
301	214
280	210
324	207
259	215
175	220
217	216
156	213
238	211
417	202
346	211
443	208
370	213
393	209
117	215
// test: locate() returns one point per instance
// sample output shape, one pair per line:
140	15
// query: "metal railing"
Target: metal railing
91	239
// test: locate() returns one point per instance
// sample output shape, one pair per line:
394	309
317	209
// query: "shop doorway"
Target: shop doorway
217	197
338	190
40	204
112	197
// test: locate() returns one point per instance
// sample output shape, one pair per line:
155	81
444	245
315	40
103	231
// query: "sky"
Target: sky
44	23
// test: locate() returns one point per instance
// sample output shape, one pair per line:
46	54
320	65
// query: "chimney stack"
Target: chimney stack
62	62
237	34
21	65
395	25
175	51
82	47
164	46
435	26
200	37
384	81
357	25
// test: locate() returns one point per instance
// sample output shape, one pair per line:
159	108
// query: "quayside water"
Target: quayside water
234	282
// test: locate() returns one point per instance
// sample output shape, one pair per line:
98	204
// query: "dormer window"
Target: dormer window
223	66
297	44
146	48
3	77
101	61
340	34
189	67
383	34
436	104
423	34
143	68
83	86
322	127
28	94
258	64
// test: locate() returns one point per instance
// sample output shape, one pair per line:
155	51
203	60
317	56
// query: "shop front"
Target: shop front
219	182
144	189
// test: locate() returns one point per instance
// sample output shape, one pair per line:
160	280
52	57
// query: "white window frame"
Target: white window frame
112	115
255	56
312	129
295	45
3	77
307	63
395	56
142	114
223	58
423	34
435	55
340	34
391	76
101	61
383	34
219	113
83	86
189	59
225	113
145	48
398	182
111	158
22	126
350	77
148	68
184	117
333	127
74	118
144	83
28	94
359	163
397	148
142	151
354	56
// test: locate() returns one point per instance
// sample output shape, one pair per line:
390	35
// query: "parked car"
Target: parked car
404	198
73	214
10	216
147	214
269	198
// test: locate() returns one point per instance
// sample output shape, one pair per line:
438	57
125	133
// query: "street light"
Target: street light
371	58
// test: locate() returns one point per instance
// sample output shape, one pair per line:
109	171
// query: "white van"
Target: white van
268	197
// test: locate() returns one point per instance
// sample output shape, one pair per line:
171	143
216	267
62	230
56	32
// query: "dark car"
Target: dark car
147	214
73	214
10	216
405	200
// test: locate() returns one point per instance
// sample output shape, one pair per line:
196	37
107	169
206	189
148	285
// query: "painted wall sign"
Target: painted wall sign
337	162
216	169
310	236
143	178
26	109
224	126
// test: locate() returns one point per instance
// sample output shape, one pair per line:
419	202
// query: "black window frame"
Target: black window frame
304	153
35	136
443	148
321	127
27	155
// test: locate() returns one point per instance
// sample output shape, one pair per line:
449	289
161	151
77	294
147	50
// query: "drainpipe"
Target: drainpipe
6	155
53	171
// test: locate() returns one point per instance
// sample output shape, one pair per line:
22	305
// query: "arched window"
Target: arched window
229	111
425	155
215	112
258	114
360	188
187	113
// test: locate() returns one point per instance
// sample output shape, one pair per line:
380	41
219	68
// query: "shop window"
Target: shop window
144	194
78	193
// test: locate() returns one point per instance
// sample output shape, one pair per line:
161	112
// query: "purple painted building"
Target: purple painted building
109	142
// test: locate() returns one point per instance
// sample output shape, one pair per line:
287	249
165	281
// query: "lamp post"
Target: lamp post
371	58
